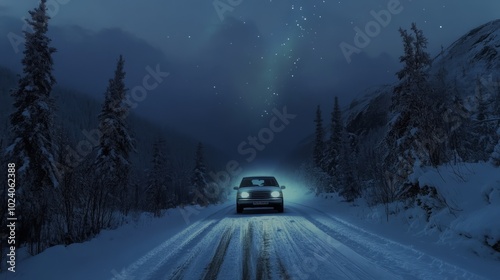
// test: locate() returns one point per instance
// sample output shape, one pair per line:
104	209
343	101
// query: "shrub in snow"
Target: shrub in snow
425	197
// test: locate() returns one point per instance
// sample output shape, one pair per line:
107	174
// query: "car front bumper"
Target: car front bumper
252	202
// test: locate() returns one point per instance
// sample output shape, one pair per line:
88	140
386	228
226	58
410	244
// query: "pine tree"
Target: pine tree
341	156
350	186
409	138
334	147
33	149
422	59
483	132
430	104
156	191
319	143
116	144
199	178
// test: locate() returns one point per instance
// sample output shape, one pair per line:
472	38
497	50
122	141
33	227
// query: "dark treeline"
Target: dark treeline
63	199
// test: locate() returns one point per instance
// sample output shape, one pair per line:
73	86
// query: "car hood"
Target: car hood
259	188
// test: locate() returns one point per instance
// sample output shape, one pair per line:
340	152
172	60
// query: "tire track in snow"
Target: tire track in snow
296	249
283	273
263	266
220	252
178	274
305	253
247	241
149	266
401	259
288	253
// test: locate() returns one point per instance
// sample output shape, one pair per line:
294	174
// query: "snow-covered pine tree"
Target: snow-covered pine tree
156	191
319	143
334	145
484	130
401	99
199	178
341	144
115	145
32	149
350	186
408	136
428	105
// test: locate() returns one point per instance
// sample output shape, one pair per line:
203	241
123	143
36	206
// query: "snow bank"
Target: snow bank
472	212
108	254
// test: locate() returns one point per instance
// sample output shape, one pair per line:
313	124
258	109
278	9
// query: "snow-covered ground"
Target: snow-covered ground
315	238
105	256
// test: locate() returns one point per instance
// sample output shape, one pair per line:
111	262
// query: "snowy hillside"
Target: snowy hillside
463	203
457	201
475	55
473	58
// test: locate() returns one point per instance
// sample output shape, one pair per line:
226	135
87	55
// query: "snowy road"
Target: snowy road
302	243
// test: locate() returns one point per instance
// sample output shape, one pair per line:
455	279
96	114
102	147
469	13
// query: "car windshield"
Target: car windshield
259	181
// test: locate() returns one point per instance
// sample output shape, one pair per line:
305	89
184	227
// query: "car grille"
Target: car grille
260	194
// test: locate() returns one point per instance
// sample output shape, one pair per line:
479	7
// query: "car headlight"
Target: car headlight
244	195
275	194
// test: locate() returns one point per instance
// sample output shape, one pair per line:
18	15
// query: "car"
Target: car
259	191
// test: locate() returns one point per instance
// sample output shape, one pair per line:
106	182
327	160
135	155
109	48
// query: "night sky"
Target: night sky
228	70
